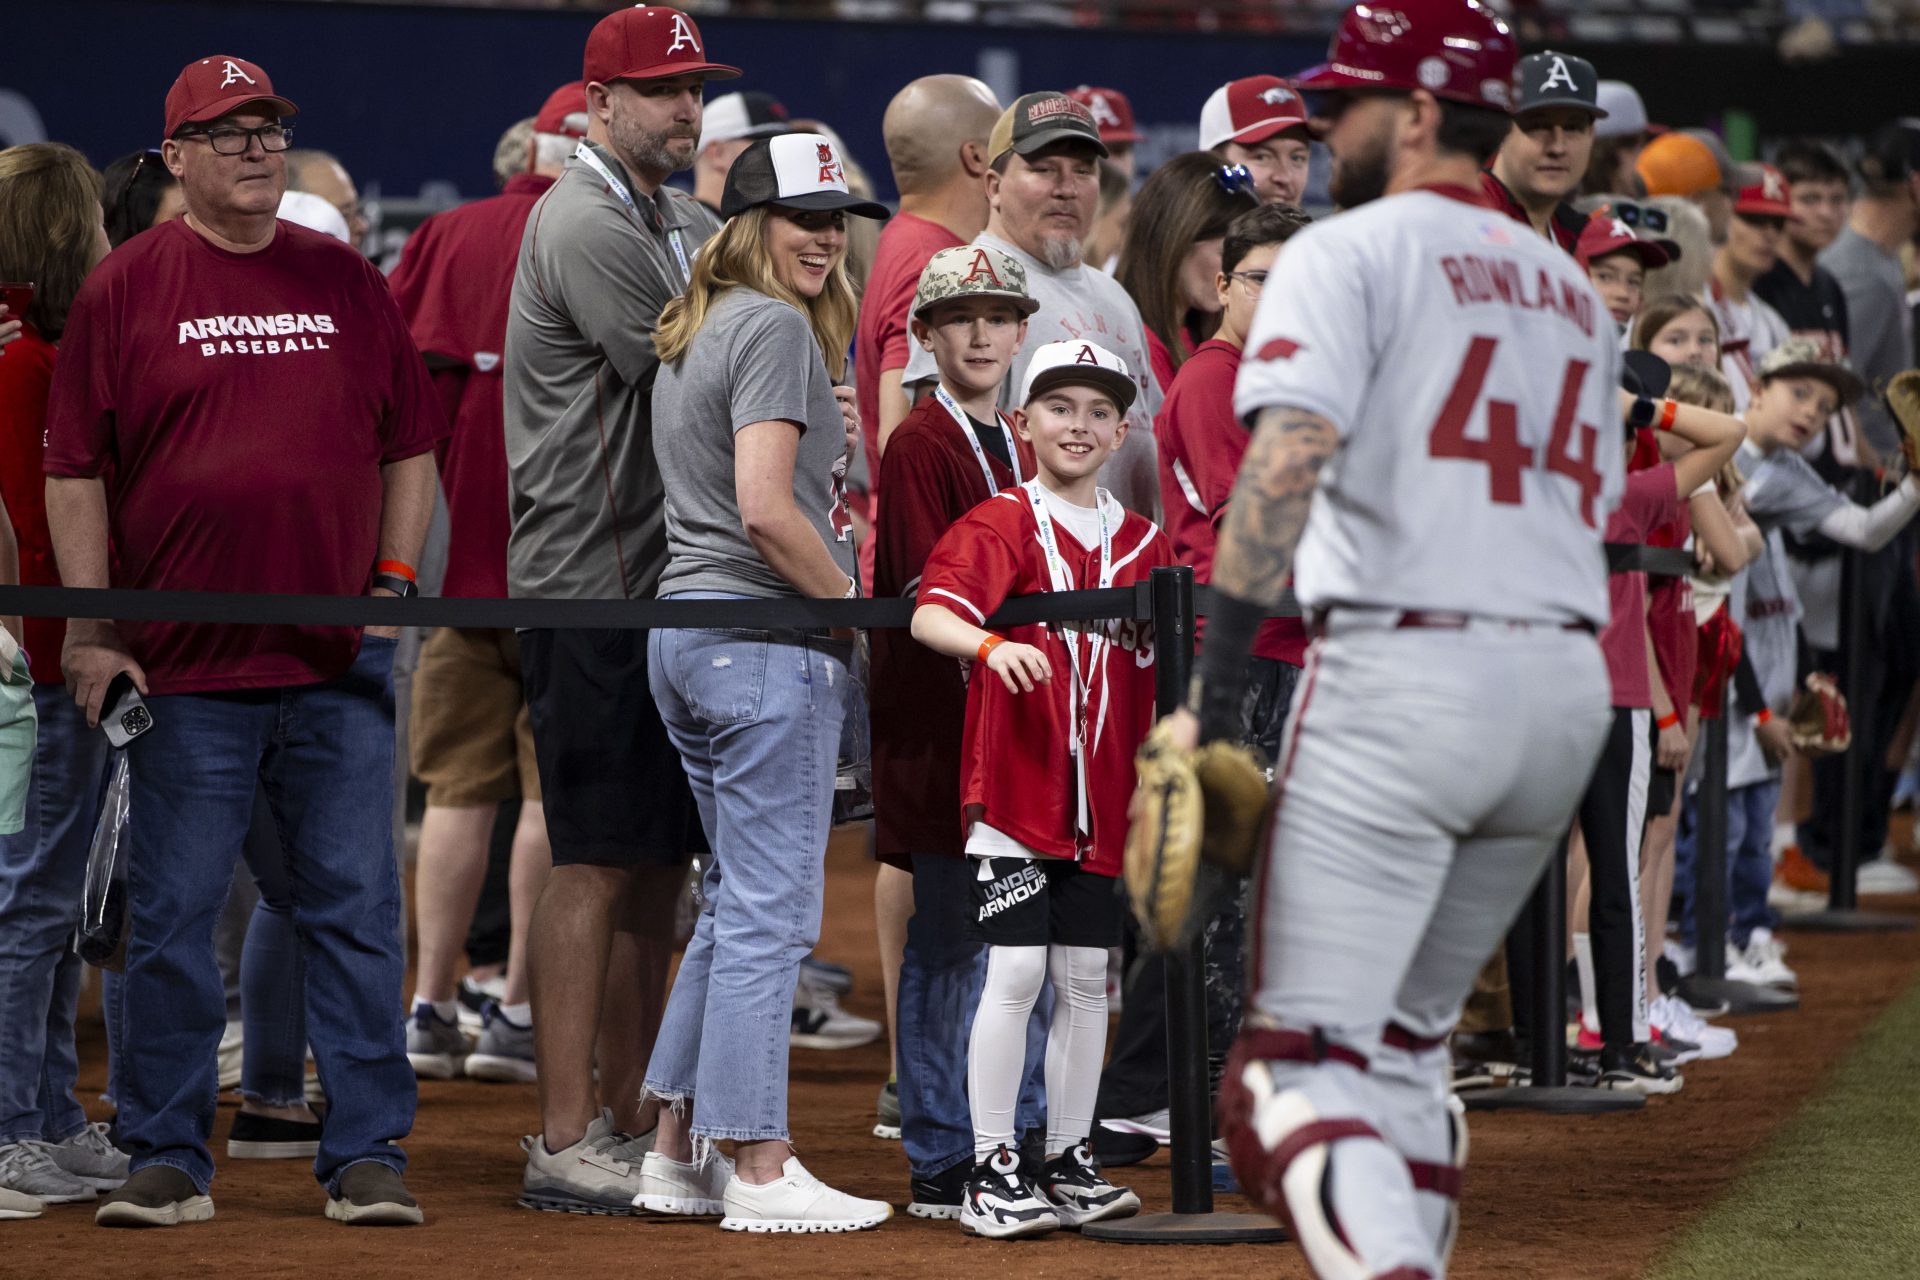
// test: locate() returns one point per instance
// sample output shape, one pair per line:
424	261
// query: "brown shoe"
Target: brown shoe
372	1195
157	1196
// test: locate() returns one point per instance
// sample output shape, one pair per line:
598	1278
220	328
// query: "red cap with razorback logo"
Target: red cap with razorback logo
1605	234
566	101
648	42
1250	111
216	86
1111	112
1762	192
1454	49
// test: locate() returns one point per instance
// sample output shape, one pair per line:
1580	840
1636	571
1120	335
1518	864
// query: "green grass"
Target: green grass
1837	1193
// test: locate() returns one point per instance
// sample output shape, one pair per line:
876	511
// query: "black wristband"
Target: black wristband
1220	678
405	588
1645	410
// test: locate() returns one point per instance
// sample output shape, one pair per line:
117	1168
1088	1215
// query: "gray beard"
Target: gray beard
645	149
1060	252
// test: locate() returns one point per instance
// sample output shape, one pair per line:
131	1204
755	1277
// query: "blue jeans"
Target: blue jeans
324	754
756	717
940	978
1749	861
42	869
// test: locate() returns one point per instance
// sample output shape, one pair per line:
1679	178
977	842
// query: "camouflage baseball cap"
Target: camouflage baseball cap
973	271
1804	358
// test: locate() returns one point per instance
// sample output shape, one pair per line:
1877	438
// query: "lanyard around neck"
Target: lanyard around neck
965	423
584	153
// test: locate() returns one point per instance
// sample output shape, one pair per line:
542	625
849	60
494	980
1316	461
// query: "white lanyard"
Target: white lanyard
1062	580
965	423
584	154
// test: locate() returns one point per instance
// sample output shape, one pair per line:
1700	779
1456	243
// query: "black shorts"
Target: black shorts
1031	902
615	789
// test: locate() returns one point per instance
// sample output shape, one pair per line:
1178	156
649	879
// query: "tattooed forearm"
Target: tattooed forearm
1268	510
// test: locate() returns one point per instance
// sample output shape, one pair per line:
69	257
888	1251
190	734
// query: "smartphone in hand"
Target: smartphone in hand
123	713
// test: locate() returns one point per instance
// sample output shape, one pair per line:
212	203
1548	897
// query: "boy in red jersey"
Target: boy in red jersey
1053	717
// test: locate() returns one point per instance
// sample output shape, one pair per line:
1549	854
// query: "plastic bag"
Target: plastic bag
102	937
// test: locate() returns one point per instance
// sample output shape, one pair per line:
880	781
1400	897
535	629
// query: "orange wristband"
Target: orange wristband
1669	410
1667	721
987	646
1763	716
399	567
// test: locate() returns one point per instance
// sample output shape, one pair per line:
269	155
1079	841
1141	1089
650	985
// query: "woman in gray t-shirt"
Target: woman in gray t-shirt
753	438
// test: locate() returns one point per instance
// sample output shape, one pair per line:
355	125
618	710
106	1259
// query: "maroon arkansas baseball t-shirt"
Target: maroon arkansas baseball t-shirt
239	408
884	339
453	282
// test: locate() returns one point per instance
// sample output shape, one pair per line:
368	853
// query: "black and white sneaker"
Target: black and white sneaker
1002	1204
1072	1182
941	1196
1637	1070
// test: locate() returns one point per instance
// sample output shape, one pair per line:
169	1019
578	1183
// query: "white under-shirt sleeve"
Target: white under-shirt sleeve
1871	528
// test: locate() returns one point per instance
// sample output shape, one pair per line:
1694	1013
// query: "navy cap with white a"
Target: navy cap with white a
1550	79
795	171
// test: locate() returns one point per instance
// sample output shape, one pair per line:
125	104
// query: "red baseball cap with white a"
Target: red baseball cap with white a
648	42
1762	192
1112	113
217	86
565	111
1250	111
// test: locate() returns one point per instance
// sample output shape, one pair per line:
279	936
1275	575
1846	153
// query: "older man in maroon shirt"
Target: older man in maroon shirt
238	407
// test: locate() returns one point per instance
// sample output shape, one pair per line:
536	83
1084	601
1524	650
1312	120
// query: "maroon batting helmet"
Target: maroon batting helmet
1454	49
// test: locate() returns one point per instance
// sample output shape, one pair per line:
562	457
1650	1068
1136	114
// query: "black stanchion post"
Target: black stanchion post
1842	914
1708	984
1190	1108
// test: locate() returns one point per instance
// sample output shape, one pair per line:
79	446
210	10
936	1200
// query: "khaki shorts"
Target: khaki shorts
472	744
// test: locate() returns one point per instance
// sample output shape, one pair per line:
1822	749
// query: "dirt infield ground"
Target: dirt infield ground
1549	1197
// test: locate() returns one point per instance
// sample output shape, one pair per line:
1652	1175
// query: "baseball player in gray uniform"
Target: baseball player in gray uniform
1438	434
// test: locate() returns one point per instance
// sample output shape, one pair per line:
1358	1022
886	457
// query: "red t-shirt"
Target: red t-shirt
453	283
239	407
26	373
1649	502
1670	620
919	697
1201	444
882	339
1017	772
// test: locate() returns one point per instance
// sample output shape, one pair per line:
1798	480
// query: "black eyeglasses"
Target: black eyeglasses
1256	280
1236	179
1641	217
231	140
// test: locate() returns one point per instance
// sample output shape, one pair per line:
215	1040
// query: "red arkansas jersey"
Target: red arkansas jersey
919	698
1017	770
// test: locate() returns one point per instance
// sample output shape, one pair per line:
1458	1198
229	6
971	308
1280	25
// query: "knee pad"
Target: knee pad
1419	1115
1280	1143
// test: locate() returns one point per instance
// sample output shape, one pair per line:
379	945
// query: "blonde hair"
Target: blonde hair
737	258
1703	388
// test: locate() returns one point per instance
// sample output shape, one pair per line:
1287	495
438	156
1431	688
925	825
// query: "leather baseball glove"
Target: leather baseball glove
1818	717
1189	808
1903	401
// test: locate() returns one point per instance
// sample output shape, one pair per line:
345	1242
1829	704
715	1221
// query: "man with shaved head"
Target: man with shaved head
936	133
322	174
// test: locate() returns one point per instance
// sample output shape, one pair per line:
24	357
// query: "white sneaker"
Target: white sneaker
233	1046
798	1201
628	1147
1157	1125
1763	955
1883	875
582	1178
1685	958
18	1204
1675	1017
696	1190
820	1023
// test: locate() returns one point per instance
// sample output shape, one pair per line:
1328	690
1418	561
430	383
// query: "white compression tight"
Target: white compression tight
1076	1042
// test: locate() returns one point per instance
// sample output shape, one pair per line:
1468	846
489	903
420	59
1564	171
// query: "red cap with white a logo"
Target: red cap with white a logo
1112	113
1250	111
648	42
218	86
1762	192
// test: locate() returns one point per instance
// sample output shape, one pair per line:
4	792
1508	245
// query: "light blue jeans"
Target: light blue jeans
42	869
756	717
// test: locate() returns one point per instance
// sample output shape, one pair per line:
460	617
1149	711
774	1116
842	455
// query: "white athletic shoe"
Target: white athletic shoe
582	1178
696	1190
820	1023
798	1201
1002	1203
1079	1194
1884	875
18	1204
1763	955
1676	1018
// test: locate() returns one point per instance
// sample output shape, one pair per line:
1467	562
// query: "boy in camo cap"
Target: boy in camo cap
951	452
